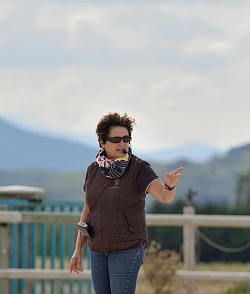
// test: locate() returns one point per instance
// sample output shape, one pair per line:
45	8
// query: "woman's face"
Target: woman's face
115	150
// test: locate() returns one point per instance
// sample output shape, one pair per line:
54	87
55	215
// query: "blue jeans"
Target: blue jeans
116	272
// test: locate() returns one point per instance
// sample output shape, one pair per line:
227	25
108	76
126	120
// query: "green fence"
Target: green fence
43	246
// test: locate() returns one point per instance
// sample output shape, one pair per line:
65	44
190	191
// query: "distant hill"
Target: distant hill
192	151
59	167
216	179
21	149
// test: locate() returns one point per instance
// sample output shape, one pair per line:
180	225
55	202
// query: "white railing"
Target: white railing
189	221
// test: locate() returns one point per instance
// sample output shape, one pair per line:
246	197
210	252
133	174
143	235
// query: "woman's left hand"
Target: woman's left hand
173	178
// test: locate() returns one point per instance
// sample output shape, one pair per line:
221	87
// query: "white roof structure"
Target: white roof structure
22	192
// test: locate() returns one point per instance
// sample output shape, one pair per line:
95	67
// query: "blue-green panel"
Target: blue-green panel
31	240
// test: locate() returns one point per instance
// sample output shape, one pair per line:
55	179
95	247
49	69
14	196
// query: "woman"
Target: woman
115	188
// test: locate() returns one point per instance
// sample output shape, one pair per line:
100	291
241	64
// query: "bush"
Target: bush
160	267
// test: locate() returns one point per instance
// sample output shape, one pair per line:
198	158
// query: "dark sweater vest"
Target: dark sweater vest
117	209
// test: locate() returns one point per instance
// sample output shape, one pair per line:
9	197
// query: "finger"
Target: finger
71	265
79	266
178	170
72	268
169	178
178	175
76	269
173	175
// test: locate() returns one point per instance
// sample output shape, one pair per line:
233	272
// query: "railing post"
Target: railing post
189	247
4	257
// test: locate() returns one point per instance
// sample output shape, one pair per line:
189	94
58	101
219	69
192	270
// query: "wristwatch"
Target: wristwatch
168	188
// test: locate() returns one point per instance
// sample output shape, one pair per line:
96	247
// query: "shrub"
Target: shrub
160	267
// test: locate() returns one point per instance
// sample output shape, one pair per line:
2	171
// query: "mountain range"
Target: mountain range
58	166
21	149
192	151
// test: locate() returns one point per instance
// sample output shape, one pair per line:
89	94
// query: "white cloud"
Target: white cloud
90	16
181	70
200	46
5	10
101	19
170	107
229	24
228	17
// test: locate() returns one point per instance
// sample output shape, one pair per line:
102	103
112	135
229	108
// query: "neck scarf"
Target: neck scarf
112	168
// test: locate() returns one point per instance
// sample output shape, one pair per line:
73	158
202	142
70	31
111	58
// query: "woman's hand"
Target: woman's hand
159	192
75	262
173	178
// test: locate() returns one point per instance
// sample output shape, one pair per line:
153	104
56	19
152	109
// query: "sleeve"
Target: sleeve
145	177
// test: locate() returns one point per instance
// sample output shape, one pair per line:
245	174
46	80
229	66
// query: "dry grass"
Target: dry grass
204	287
143	287
160	266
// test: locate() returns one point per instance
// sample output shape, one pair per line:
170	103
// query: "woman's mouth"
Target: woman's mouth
124	151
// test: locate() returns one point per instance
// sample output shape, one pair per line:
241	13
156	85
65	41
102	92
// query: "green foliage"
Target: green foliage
168	237
226	237
65	186
57	185
243	191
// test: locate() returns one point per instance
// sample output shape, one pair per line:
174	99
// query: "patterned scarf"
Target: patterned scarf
112	168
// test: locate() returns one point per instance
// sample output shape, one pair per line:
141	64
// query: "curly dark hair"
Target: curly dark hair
113	120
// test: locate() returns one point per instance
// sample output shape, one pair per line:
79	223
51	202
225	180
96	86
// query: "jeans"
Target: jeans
116	272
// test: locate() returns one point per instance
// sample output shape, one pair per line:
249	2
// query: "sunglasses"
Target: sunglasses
125	139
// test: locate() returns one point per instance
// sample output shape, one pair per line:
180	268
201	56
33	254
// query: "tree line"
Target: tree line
233	243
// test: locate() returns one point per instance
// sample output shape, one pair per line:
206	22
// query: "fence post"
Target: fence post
189	247
4	258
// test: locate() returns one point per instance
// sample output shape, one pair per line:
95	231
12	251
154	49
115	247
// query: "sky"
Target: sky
180	68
